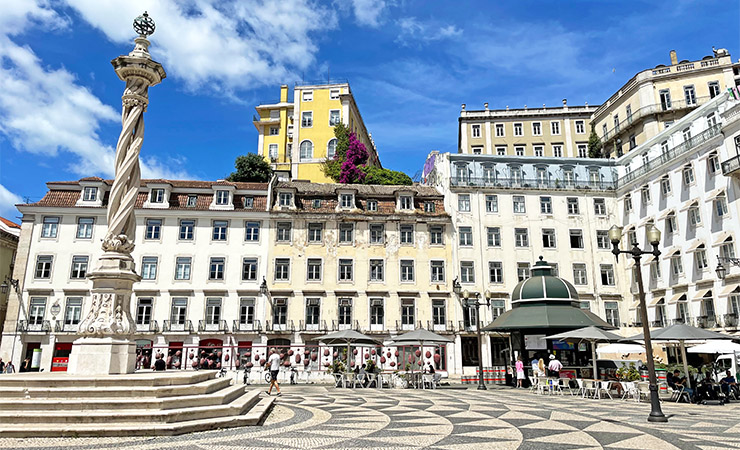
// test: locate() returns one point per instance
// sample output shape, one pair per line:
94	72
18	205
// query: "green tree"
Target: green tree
333	166
594	145
377	175
251	168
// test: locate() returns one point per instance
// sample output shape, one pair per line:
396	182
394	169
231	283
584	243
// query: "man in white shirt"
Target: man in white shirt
554	367
274	363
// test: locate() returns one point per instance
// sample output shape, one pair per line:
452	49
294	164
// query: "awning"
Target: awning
671	252
655	300
646	221
666	213
629	263
675	297
701	295
648	259
689	204
546	316
727	290
721	238
695	244
715	193
628	228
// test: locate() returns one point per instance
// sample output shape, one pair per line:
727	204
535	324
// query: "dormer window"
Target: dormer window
317	203
372	205
346	201
406	202
222	197
285	199
429	207
90	194
248	202
157	196
192	201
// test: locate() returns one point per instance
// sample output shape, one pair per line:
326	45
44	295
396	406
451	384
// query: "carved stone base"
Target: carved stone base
102	356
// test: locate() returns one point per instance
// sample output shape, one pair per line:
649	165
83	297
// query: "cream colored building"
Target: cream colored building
656	98
297	136
9	233
543	132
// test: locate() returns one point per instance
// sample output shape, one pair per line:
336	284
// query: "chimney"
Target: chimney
507	107
674	58
462	107
284	93
565	104
586	104
485	105
525	107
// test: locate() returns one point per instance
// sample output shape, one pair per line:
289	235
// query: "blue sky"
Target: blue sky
410	65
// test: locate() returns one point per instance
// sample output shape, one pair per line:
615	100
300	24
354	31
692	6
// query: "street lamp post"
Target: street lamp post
653	235
721	270
471	299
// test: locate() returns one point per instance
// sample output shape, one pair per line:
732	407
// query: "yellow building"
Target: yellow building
655	98
543	132
297	136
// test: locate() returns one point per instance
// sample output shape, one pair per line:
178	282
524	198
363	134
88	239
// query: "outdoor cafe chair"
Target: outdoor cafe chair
630	391
533	384
339	380
589	388
564	383
428	379
372	380
602	387
543	385
644	389
358	379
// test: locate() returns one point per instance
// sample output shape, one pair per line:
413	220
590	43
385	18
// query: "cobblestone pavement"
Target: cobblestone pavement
324	417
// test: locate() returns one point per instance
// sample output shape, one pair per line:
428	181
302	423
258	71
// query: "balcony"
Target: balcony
246	327
42	326
447	327
61	327
731	166
151	327
730	321
462	326
531	183
169	326
406	326
287	327
312	327
706	322
671	155
218	326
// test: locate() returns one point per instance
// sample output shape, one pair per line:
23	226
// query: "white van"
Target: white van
731	362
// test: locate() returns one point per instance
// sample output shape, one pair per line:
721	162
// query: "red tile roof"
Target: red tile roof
9	223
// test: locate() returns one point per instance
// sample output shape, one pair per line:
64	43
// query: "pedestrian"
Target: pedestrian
519	371
274	363
554	367
9	368
160	365
541	368
26	366
2	366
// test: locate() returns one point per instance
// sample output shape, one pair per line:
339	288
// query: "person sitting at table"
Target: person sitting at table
362	373
429	368
728	384
541	368
680	382
616	385
706	391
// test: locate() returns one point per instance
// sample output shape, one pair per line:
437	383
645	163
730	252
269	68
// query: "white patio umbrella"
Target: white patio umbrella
347	337
713	347
621	349
590	334
419	337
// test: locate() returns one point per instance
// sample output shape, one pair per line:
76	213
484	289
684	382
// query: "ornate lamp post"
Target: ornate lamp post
653	235
721	270
470	300
106	346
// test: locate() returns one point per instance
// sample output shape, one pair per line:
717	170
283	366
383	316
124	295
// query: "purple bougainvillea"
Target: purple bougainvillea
356	156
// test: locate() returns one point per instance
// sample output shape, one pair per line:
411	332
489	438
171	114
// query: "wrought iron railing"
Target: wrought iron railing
533	183
246	326
25	326
169	326
731	165
151	327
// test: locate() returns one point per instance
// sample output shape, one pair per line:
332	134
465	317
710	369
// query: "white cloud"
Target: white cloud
220	45
413	31
367	12
8	200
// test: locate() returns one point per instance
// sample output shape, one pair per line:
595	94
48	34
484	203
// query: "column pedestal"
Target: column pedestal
102	356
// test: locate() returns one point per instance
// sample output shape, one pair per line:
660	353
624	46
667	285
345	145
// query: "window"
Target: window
183	265
313	311
466	236
467	272
307	96
501	150
602	239
407	233
274	131
734	306
497	308
283	231
521	237
688	175
249	269
280	312
345	269
700	258
429	207
213	310
144	311
645	194
607	274
573	207
307	119
406	202
616	123
500	130
43	266
315	232
282	269
580	127
334	94
156	196
377	272
149	267
345	311
186	229
727	250
436	234
463	202
333	117
633	141
713	163
539	151
377	314
251	231
518	129
285	199
579	274
50	227
676	266
477	150
89	194
272	151
494	236
346	233
599	207
306	150
491	203
79	267
655	270
694	216
407	270
437	269
153	229
222	197
690	95
316	203
665	99
313	269
475	130
554	127
631	238
219	229
346	201
377	233
495	272
582	150
720	205
627	203
192	201
331	148
407	312
546	205
216	271
611	310
665	186
372	205
522	270
246	311
536	129
85	227
438	312
548	238
576	239
37	310
670	223
519	205
179	310
604	132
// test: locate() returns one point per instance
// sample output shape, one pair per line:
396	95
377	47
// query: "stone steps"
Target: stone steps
152	379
